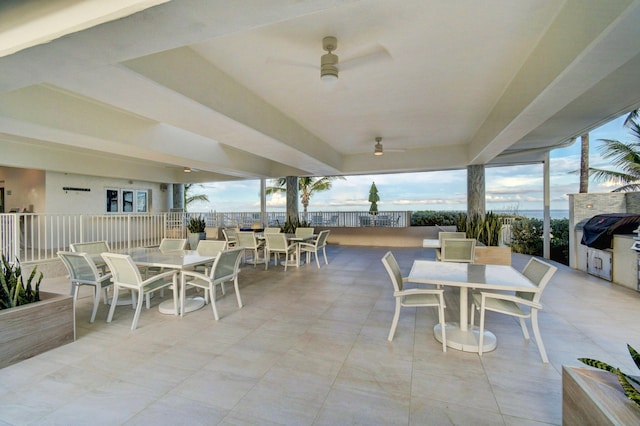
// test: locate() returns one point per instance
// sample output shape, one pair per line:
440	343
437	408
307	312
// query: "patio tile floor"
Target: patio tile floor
309	348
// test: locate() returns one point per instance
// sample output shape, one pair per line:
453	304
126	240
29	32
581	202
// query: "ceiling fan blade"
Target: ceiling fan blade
374	53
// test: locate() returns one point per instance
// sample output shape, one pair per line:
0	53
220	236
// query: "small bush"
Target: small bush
433	218
527	238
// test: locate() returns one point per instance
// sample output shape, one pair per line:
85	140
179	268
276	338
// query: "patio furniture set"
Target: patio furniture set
497	288
144	271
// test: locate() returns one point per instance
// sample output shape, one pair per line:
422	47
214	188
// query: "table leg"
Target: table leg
460	336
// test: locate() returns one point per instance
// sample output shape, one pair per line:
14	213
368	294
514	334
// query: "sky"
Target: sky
513	189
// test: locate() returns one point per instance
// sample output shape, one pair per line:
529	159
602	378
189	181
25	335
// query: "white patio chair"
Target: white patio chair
461	250
448	235
83	271
225	268
93	249
272	230
320	243
414	297
126	275
277	244
304	232
209	248
247	240
173	244
230	237
539	273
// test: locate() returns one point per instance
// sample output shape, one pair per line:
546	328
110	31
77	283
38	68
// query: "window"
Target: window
127	200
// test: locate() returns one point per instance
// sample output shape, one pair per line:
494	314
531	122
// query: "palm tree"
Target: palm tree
626	156
307	186
190	198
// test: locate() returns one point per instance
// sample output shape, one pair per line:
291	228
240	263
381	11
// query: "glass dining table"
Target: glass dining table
461	335
171	259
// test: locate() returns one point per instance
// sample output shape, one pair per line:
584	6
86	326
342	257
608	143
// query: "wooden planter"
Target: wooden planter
595	397
29	330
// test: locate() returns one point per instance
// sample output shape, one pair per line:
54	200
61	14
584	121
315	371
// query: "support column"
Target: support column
178	196
263	202
546	223
292	198
475	190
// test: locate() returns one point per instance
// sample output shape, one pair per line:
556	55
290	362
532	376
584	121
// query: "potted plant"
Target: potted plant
31	321
486	230
196	228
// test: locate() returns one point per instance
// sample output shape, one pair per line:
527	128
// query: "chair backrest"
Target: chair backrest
392	267
304	232
322	238
458	250
272	230
334	220
276	242
212	233
123	268
211	247
173	244
226	265
94	247
229	234
539	273
246	239
80	266
447	235
365	221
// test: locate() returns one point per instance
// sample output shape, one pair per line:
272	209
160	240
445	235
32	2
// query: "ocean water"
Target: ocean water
537	214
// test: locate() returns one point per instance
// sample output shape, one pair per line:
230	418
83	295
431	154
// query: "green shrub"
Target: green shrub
486	230
13	292
292	224
433	218
527	238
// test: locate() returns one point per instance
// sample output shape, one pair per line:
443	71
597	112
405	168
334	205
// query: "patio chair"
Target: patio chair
365	221
304	232
448	236
126	275
230	237
539	273
461	250
225	268
94	249
173	244
83	271
315	246
414	297
277	244
247	240
209	248
272	230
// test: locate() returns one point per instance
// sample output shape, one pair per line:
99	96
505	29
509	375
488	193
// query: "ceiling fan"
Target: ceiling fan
378	149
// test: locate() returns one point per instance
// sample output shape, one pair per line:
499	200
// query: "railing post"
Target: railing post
128	232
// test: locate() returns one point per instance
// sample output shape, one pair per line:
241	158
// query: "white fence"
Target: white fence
32	237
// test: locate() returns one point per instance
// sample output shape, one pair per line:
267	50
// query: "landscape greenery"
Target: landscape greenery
526	232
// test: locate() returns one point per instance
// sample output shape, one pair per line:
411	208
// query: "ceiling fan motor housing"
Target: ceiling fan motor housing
328	61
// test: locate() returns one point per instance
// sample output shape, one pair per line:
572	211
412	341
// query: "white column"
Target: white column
263	202
546	224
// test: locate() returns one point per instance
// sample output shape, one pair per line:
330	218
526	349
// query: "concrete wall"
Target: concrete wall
382	237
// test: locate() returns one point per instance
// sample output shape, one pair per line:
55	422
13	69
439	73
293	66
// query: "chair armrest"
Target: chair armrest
195	274
105	277
159	277
418	291
510	298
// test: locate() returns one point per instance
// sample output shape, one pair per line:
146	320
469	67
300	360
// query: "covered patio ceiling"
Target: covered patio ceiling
233	89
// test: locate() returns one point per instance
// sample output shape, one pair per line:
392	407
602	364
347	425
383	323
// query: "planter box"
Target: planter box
594	397
493	255
29	330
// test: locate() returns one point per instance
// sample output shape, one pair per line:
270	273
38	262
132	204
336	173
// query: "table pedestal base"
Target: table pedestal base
190	304
466	341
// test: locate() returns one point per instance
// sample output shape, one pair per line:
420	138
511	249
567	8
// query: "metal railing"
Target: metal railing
34	237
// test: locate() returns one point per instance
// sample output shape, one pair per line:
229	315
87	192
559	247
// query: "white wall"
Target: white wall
23	189
94	200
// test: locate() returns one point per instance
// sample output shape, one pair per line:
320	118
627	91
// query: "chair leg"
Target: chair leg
182	295
114	302
75	301
536	333
481	339
136	316
443	324
472	314
523	325
396	316
175	295
212	290
267	259
324	252
235	284
317	258
96	301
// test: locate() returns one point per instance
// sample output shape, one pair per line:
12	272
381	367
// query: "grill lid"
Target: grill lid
598	231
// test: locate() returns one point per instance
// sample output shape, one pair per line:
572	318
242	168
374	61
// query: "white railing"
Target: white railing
33	237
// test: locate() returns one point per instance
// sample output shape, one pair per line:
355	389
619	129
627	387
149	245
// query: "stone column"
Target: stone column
475	190
178	196
292	197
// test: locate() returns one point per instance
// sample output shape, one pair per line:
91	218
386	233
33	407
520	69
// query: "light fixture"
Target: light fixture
328	61
187	169
378	147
